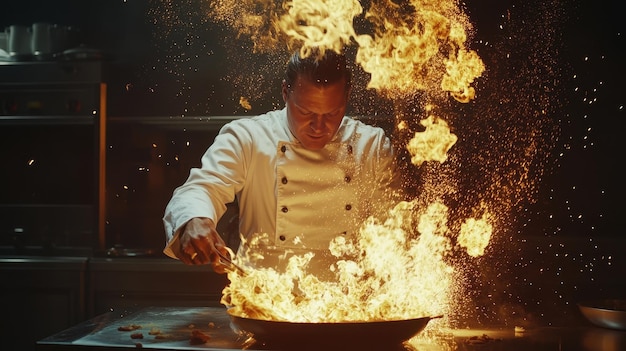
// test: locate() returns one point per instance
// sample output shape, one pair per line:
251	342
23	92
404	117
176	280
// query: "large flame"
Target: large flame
418	46
383	274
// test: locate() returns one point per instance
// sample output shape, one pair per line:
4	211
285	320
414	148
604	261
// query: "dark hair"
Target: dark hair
324	68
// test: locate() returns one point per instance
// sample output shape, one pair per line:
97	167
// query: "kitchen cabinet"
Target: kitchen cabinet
40	296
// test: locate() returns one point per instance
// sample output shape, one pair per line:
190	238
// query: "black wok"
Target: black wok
330	335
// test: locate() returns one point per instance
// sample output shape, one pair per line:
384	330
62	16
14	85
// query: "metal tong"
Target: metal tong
226	261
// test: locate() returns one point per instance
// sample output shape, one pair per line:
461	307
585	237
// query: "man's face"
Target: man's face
314	112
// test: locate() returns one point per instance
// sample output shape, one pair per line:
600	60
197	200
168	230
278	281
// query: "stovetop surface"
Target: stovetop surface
170	328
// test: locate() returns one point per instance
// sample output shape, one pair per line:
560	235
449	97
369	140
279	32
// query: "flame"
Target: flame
433	143
407	51
418	46
323	24
475	235
399	55
460	73
382	274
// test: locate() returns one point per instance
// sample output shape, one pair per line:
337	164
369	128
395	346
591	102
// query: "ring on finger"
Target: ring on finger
193	256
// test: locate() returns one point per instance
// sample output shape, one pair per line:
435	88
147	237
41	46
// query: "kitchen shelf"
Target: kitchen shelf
47	120
53	116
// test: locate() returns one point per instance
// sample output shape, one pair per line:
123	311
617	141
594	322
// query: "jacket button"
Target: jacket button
347	179
284	209
284	180
350	149
348	207
283	148
282	238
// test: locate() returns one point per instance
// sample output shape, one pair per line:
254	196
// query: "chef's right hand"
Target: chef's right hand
200	243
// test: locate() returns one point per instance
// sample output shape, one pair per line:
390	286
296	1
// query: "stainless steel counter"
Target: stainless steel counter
175	325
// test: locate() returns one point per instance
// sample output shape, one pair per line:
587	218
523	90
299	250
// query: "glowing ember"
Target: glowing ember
245	103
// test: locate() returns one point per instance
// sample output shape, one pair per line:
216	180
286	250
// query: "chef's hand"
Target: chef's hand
200	243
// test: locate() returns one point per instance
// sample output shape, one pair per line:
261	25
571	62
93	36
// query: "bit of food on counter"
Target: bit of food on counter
198	337
138	345
479	340
129	327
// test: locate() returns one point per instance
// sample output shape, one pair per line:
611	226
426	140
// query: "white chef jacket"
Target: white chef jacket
302	198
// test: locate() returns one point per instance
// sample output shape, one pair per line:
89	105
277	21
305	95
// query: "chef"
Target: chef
301	176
